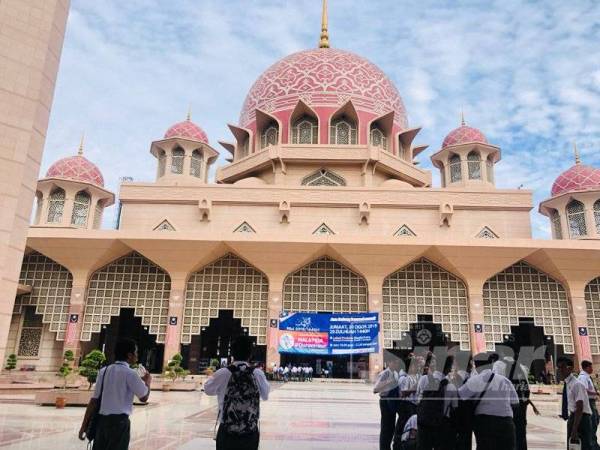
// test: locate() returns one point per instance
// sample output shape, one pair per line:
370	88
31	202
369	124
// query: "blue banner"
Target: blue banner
329	334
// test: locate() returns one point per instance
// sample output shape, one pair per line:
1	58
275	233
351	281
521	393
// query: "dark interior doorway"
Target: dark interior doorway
214	342
425	333
338	366
527	334
127	325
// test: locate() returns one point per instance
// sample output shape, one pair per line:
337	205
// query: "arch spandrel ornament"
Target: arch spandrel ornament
424	288
229	283
521	290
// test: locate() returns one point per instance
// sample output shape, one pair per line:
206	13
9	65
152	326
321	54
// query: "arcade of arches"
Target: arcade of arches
131	296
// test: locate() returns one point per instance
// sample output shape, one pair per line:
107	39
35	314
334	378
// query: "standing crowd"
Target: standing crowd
292	373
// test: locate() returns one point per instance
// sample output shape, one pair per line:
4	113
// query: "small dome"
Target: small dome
76	168
463	135
392	182
250	181
578	178
187	130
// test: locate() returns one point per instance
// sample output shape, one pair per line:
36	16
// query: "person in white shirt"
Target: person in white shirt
407	404
386	386
579	425
495	397
587	370
408	440
116	386
221	384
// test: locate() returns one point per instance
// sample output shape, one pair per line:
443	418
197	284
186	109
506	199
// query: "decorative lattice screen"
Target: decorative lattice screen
424	288
51	286
129	282
227	284
592	303
523	291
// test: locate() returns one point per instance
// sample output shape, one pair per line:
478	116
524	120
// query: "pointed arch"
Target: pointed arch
132	281
344	125
474	165
196	164
325	285
424	288
576	219
56	205
592	303
521	290
51	286
455	166
380	131
597	215
304	125
556	224
229	283
177	158
268	129
81	209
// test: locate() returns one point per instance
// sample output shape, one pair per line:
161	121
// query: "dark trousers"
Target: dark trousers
520	419
226	441
388	423
405	410
113	433
436	438
494	433
584	431
595	419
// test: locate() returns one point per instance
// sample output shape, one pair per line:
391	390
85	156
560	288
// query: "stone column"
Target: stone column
578	311
376	359
175	317
475	303
275	306
75	320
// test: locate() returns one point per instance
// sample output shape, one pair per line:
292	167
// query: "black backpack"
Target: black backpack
430	410
241	406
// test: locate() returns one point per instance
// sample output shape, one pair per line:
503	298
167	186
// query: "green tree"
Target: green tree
67	367
11	362
90	366
174	369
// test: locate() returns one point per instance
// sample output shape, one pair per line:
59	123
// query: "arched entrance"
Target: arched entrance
225	298
135	292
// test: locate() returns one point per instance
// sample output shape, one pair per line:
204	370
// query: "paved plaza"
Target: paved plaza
303	416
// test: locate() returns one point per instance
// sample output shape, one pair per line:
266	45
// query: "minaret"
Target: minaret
324	42
80	151
576	151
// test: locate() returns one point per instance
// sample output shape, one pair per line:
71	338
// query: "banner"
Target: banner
329	334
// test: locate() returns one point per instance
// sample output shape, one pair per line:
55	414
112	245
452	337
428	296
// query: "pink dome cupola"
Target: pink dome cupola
464	135
76	168
187	130
578	178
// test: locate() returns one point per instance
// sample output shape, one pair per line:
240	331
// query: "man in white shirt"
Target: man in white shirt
407	405
238	414
386	386
115	387
579	425
585	377
495	396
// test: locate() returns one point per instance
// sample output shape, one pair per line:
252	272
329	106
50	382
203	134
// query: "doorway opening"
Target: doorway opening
354	366
425	333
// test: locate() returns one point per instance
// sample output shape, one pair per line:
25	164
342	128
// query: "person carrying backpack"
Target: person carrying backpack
239	388
438	400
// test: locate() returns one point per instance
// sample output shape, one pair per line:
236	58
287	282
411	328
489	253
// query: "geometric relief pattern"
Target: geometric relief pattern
486	233
592	303
424	288
129	282
76	168
229	283
31	334
523	291
578	178
462	135
50	293
325	286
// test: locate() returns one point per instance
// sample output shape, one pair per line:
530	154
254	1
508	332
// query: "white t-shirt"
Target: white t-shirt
576	391
411	424
498	397
585	378
121	384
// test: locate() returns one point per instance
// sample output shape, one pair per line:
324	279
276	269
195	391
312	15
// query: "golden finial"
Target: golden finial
80	151
189	114
324	42
462	117
576	151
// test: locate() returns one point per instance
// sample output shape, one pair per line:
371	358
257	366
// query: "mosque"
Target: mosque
322	207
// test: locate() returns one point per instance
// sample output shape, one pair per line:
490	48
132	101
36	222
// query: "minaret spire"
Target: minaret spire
576	151
324	42
80	151
462	117
189	113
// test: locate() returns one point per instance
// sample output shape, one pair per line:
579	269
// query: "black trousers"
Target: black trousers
113	433
520	419
585	431
227	441
388	423
494	433
405	409
436	438
594	420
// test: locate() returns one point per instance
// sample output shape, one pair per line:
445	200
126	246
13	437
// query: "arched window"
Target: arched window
343	131
270	135
56	206
455	168
556	226
81	209
474	163
162	163
378	139
305	130
576	218
177	158
490	169
196	164
323	177
597	215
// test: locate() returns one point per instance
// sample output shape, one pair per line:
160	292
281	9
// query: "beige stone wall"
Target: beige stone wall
31	39
50	353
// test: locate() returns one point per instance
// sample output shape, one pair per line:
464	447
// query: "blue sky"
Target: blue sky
526	73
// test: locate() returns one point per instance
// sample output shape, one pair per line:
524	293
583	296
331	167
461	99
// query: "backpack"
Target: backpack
430	410
241	406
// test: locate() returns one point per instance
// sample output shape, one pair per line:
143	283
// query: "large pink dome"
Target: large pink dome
187	130
577	178
463	135
324	77
76	168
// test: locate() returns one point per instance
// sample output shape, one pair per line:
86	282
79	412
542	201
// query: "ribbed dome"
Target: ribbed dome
578	178
324	77
463	135
76	168
187	130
